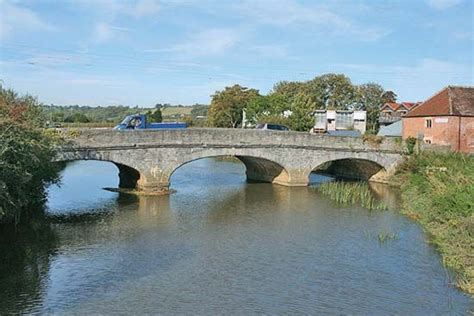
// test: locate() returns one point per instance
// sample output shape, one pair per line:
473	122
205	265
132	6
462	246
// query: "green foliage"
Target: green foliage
328	91
199	110
370	99
437	190
227	106
410	143
77	118
154	116
332	92
26	155
351	193
302	118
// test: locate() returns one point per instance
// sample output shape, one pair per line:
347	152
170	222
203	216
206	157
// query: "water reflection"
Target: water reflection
221	245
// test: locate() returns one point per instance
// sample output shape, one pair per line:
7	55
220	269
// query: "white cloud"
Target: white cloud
15	18
413	82
207	42
288	12
112	8
443	4
144	8
104	32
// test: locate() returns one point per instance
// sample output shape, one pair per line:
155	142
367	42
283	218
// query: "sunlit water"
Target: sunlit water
220	246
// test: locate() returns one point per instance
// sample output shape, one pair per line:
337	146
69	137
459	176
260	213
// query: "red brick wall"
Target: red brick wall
444	131
467	135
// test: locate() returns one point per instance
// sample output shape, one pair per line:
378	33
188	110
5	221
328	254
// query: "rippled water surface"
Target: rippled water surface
219	246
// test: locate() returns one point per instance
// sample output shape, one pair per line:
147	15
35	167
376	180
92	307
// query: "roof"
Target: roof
394	129
451	101
394	106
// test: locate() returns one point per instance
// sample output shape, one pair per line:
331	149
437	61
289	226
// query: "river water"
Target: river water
220	246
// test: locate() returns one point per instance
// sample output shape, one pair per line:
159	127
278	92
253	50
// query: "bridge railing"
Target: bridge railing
226	137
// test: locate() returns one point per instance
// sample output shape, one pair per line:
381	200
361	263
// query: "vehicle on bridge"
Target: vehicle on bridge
275	127
139	121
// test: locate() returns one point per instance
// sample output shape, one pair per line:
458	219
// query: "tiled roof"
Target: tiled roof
457	101
394	106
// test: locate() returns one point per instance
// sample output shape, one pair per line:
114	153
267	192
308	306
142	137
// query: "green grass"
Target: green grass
438	192
173	110
346	193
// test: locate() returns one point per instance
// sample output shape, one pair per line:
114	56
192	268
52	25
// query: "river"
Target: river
220	245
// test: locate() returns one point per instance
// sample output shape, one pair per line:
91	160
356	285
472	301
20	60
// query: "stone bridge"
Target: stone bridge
146	159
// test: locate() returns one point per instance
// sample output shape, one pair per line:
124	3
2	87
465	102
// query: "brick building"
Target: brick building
447	118
392	112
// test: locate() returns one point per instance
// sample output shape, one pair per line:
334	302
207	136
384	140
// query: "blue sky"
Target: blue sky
108	52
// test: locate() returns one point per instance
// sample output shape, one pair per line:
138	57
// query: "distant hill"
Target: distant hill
115	114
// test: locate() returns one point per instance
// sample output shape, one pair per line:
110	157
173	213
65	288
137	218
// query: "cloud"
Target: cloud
289	12
104	32
113	8
416	81
15	18
443	4
207	42
144	8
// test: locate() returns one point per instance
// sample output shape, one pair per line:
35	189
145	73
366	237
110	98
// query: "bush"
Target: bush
26	156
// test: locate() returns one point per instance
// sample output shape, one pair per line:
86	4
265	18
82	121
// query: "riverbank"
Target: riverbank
437	191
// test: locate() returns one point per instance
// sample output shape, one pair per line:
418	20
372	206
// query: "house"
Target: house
392	112
447	118
336	120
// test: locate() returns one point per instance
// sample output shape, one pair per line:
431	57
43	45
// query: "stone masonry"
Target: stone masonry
146	159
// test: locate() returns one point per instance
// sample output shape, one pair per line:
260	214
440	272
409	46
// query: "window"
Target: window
428	123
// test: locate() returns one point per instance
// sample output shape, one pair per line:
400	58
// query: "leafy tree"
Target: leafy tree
332	92
77	118
288	89
269	106
389	96
155	116
199	110
227	106
302	118
26	156
370	98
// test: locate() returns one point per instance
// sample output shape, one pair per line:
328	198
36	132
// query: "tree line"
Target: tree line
293	102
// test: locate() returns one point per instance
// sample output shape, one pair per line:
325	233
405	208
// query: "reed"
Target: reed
346	193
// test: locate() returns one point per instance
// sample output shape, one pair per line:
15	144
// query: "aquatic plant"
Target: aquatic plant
351	193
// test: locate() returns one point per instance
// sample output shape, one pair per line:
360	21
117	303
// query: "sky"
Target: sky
143	52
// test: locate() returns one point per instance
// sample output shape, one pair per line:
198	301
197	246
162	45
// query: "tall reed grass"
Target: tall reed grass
351	193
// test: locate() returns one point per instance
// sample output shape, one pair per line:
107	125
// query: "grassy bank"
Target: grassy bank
438	192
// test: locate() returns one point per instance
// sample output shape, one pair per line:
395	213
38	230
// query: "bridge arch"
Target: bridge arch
129	174
349	168
258	169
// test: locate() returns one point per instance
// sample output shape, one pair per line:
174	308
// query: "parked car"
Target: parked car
275	127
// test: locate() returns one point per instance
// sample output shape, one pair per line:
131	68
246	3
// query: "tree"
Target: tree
199	110
288	89
370	98
77	118
302	118
332	92
389	96
155	116
271	106
227	106
26	156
